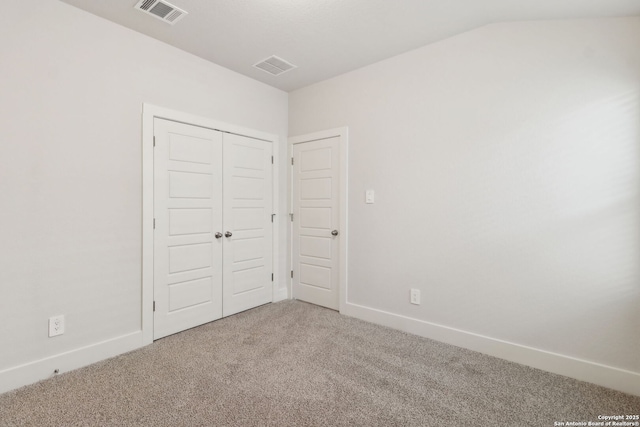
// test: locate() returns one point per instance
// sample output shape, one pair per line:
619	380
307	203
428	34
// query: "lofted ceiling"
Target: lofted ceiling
325	38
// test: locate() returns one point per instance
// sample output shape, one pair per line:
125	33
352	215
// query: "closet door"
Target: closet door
188	214
247	211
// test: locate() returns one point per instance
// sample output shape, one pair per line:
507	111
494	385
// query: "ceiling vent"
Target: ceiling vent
274	65
162	10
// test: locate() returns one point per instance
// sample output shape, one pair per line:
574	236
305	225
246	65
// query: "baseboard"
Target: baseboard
607	376
38	370
280	294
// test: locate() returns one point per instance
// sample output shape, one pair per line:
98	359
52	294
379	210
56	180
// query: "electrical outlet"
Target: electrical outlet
415	296
369	196
56	325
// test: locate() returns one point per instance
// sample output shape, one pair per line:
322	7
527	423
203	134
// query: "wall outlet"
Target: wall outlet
369	196
415	296
56	325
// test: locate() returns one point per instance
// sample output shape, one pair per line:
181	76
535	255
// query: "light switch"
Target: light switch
369	196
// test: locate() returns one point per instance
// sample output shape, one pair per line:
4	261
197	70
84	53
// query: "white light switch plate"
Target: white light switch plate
369	196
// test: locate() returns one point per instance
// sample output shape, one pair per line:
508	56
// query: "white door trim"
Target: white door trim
149	113
342	134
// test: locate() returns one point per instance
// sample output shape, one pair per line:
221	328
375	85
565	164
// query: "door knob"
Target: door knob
218	235
228	234
334	233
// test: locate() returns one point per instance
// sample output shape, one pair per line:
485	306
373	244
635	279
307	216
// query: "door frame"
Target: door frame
149	113
342	133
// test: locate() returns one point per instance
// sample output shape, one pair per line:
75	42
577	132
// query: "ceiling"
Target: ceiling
325	38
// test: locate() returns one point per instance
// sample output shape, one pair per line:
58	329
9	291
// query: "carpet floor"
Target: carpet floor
295	364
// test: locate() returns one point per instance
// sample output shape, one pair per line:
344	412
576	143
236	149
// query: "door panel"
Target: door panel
190	257
189	221
317	247
188	212
316	186
190	185
247	215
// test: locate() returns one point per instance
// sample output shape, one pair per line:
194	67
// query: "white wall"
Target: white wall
506	165
72	87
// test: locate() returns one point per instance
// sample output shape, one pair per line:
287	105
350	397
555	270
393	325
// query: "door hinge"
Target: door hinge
291	216
271	159
154	140
292	161
292	274
154	223
272	216
154	306
272	277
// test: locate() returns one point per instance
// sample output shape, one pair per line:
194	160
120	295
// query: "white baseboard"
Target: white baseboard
38	370
607	376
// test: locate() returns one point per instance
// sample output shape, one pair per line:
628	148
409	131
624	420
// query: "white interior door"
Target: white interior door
188	214
316	219
247	223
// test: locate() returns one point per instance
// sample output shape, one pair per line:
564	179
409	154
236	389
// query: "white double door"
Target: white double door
213	225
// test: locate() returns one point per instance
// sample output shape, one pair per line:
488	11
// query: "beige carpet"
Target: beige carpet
294	364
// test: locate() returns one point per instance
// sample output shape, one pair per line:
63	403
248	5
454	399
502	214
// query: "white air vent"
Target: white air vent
274	65
162	10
